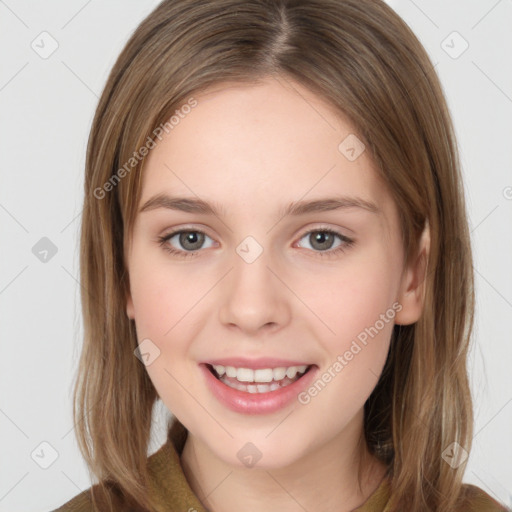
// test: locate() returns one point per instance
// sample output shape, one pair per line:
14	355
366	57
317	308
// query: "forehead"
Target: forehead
252	147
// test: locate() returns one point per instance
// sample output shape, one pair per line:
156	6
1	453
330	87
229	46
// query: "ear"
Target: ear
130	310
412	288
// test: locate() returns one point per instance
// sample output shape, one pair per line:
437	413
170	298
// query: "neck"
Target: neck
326	478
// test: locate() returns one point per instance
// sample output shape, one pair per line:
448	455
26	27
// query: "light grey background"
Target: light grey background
47	105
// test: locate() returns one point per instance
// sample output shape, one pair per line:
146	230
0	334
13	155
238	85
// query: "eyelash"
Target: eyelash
187	254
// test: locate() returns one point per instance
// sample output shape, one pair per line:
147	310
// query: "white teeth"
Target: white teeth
220	369
260	375
263	375
279	373
244	375
265	388
290	373
256	388
231	372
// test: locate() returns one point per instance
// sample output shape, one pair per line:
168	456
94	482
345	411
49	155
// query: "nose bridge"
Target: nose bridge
254	297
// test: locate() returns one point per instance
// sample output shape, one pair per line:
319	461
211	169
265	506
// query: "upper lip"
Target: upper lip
263	362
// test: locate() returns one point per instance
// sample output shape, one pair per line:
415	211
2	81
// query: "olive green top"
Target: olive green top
172	493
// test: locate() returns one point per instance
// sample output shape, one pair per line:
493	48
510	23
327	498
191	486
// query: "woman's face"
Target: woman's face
251	282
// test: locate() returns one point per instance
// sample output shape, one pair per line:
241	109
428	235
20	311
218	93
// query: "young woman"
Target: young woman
275	244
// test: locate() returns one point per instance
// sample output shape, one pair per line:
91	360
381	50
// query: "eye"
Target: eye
190	240
322	239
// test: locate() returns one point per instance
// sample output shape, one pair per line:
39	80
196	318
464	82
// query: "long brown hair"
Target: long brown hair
369	66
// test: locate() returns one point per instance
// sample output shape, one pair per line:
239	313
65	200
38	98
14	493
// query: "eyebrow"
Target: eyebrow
193	205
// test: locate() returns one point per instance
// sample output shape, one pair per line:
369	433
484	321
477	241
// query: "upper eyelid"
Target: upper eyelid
205	230
336	231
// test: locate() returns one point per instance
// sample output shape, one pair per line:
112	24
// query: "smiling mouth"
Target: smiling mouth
258	381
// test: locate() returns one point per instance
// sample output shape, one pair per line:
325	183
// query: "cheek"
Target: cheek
167	300
352	297
355	301
161	296
162	299
361	314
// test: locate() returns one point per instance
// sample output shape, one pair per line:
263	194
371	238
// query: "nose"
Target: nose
254	297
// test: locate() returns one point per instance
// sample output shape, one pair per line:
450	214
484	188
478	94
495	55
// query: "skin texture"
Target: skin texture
253	149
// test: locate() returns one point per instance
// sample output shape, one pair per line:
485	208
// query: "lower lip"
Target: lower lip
256	403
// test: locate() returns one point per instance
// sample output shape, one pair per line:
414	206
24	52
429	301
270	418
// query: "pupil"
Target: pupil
322	238
193	238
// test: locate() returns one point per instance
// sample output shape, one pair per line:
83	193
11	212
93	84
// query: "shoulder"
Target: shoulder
83	502
80	503
161	467
475	499
471	499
